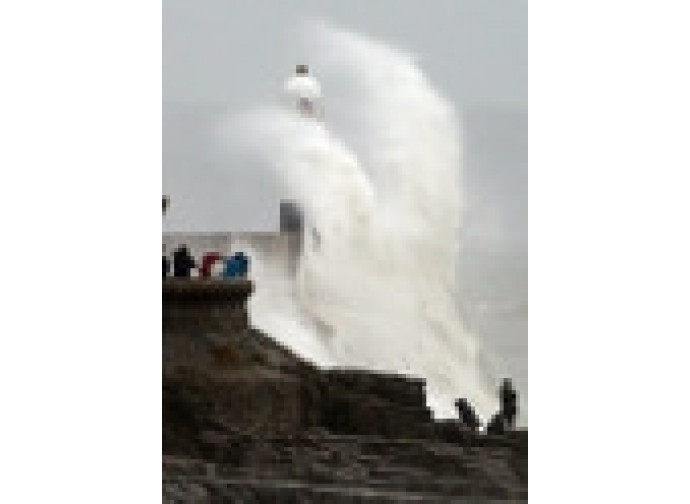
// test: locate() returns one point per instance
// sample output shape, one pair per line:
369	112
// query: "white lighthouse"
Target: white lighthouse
302	92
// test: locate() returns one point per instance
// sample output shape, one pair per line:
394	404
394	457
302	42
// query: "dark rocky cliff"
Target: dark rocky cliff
245	420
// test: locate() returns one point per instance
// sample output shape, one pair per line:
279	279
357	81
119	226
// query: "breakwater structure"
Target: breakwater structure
281	248
247	420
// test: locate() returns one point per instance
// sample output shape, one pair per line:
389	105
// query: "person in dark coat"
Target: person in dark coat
183	262
166	264
467	415
497	424
509	402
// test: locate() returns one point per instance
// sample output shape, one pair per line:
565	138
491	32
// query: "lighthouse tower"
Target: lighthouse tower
302	92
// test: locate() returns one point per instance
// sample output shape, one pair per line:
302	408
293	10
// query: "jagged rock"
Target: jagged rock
246	420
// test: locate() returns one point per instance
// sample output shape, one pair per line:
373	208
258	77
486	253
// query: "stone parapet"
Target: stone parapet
205	305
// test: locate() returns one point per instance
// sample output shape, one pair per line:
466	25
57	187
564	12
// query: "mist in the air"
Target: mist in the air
376	286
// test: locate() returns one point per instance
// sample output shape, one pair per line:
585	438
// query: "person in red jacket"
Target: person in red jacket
207	262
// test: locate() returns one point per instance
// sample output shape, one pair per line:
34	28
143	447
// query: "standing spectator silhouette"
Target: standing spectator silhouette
231	267
509	403
183	262
497	424
207	263
166	264
504	419
236	266
243	262
467	415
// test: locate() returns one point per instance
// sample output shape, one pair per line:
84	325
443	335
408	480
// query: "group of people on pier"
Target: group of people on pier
213	264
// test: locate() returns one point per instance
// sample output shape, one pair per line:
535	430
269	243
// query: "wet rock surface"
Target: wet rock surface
247	421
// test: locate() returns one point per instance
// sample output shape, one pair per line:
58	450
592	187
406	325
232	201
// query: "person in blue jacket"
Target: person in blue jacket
236	266
230	267
243	264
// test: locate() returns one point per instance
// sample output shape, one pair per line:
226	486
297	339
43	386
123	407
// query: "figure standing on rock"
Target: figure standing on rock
466	413
509	402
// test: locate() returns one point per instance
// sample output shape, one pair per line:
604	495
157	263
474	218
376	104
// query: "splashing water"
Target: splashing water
376	284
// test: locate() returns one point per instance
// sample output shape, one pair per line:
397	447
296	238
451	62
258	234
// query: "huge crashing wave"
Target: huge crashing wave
376	286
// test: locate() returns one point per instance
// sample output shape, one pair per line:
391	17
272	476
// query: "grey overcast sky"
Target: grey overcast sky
221	57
